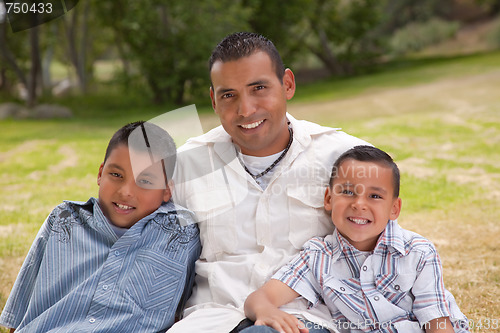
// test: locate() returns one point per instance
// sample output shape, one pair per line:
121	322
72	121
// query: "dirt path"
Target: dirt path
455	97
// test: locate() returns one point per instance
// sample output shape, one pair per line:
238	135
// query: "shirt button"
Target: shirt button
342	288
397	287
92	320
105	287
376	298
117	253
365	268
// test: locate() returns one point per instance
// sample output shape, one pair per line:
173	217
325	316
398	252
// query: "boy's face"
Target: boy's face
125	199
251	102
361	201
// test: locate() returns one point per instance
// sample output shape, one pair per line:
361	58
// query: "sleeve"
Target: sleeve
194	250
298	274
21	293
428	288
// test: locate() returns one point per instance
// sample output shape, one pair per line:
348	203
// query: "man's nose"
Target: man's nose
247	106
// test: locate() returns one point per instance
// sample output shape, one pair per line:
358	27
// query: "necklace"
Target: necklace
273	164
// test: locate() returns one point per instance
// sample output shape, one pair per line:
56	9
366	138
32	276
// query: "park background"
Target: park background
417	78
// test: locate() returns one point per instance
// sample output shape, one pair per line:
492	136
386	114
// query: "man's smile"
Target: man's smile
252	125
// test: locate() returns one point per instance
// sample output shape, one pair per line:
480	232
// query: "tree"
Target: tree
170	40
341	33
7	50
282	22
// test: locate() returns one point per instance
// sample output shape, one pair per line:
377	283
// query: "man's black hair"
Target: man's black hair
147	137
244	44
369	154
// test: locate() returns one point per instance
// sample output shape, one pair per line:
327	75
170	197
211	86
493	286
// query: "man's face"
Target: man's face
251	103
125	197
361	201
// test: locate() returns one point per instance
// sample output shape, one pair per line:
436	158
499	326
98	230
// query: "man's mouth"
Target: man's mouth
123	207
358	220
252	125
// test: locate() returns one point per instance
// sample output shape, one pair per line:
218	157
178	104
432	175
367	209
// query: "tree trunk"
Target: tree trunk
326	55
77	54
9	57
35	67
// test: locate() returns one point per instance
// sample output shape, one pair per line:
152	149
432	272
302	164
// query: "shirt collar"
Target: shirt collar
184	216
302	132
344	245
393	238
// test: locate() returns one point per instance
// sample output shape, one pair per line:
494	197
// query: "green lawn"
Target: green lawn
439	119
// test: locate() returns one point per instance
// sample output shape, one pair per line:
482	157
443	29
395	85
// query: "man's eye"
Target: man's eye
375	196
259	87
347	192
227	95
115	174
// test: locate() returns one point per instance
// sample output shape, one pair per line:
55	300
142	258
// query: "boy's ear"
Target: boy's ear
167	194
328	199
99	174
396	208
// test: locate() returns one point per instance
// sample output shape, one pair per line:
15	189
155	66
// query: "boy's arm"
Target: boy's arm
12	330
262	305
439	325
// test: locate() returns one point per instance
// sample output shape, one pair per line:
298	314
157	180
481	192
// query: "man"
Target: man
256	183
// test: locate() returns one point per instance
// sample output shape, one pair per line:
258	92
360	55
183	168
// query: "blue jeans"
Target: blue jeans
266	329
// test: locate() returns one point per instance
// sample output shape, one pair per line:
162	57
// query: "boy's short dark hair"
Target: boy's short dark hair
369	154
144	136
244	44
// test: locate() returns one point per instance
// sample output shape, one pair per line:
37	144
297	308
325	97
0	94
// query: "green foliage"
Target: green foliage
170	41
340	33
399	13
494	37
417	35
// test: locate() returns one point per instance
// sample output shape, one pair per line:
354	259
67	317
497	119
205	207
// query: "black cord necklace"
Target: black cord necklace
274	163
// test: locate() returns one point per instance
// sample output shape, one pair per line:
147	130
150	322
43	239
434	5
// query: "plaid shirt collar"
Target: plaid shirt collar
391	240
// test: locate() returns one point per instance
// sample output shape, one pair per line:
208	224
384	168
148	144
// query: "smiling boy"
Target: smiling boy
123	262
373	275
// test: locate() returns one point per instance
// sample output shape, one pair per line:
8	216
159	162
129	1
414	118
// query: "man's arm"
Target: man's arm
262	307
12	330
439	325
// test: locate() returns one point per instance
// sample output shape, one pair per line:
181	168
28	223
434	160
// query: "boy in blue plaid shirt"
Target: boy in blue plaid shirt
373	275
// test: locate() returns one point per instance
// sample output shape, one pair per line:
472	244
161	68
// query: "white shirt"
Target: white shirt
211	181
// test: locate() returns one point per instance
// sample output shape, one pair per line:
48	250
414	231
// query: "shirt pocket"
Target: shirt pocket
337	293
214	210
396	288
155	281
307	213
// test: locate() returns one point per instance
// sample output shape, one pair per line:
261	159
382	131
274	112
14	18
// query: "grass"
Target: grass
439	119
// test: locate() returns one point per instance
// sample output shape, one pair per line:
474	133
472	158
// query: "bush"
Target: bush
417	35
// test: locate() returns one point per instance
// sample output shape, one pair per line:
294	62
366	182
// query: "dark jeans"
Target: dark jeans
247	326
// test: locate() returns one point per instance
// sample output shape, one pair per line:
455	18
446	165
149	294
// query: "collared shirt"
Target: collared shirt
399	287
275	221
80	277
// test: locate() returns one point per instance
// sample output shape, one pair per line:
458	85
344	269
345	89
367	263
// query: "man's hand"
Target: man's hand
281	321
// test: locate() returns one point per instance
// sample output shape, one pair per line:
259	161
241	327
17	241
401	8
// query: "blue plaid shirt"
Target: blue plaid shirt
397	288
80	277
